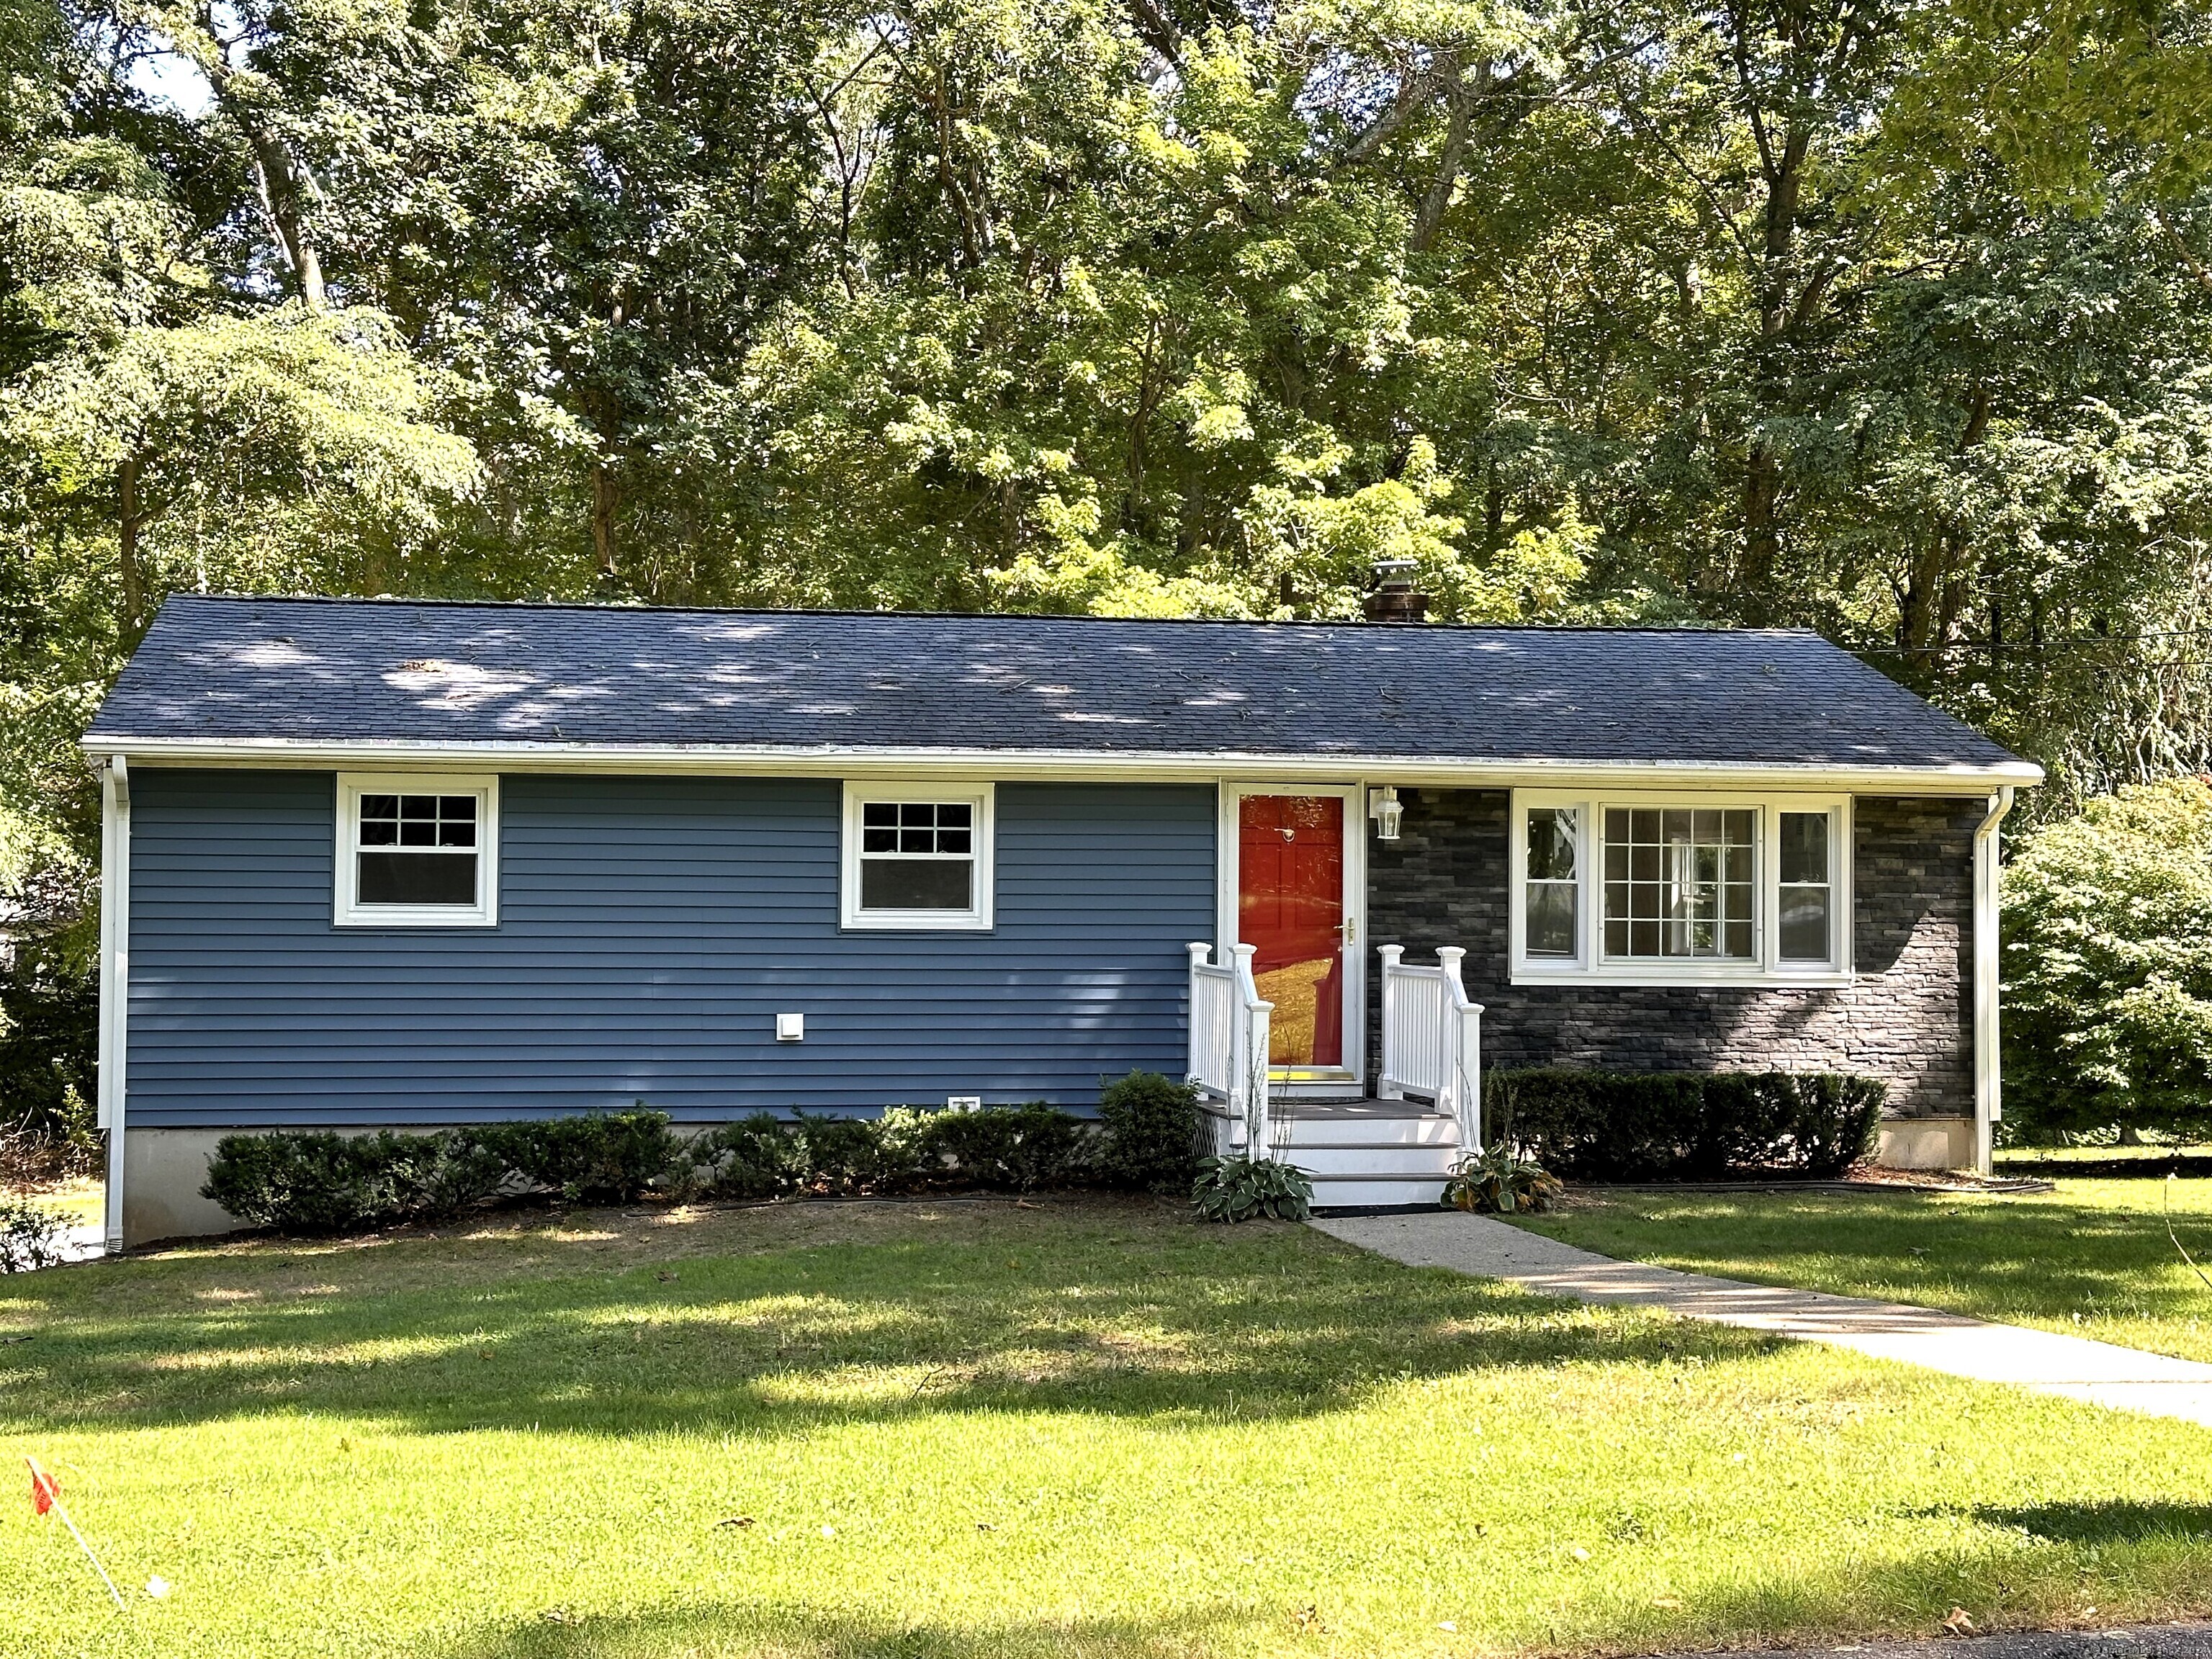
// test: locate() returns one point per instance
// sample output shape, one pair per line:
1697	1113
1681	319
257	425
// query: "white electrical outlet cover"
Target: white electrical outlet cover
790	1028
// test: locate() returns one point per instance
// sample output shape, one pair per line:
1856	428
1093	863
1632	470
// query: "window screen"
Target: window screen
918	855
1808	887
416	849
1551	921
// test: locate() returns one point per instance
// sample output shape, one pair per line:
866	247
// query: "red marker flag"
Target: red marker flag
46	1494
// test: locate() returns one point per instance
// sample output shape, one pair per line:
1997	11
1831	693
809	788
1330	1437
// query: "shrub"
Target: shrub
1666	1126
30	1238
1498	1184
2107	938
322	1183
1009	1148
1238	1188
847	1155
596	1157
1149	1132
755	1157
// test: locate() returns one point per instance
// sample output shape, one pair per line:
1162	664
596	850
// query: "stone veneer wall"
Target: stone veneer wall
1908	1018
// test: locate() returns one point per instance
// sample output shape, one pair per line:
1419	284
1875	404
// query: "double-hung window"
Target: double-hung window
417	851
1666	889
918	856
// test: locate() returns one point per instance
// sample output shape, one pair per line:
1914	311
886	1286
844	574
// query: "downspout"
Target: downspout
1988	1106
114	974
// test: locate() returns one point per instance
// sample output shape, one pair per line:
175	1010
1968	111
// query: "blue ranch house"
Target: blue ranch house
375	863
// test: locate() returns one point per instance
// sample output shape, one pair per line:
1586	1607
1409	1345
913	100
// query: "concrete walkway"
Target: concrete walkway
2074	1367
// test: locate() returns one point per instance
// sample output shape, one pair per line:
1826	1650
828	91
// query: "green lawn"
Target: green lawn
2093	1258
974	1428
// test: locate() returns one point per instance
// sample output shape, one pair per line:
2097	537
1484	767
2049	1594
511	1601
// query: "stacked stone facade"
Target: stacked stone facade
1907	1015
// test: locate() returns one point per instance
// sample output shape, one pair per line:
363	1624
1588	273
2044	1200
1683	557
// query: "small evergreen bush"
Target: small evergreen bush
321	1182
754	1158
1666	1126
596	1157
1149	1134
1019	1149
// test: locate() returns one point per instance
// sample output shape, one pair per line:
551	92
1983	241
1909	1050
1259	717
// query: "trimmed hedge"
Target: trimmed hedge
1672	1125
321	1182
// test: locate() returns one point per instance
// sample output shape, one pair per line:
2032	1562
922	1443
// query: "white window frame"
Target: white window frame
348	910
977	918
1765	967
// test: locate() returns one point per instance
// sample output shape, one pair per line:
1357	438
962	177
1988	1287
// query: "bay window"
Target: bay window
1663	890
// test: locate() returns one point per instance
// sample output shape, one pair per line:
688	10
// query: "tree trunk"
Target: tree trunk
1784	170
286	184
128	519
604	499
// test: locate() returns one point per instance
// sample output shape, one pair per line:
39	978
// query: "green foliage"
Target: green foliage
593	1158
30	1238
323	1182
1149	1132
1019	1149
755	1157
1621	1125
1243	1188
1500	1182
2107	938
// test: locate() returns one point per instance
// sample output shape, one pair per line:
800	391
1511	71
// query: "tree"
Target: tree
2108	967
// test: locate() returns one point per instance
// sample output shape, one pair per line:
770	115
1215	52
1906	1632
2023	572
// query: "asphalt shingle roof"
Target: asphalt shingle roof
400	671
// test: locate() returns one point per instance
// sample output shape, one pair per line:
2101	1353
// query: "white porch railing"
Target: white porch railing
1228	1042
1433	1039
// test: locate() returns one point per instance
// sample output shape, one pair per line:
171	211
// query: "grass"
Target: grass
80	1201
2093	1258
946	1429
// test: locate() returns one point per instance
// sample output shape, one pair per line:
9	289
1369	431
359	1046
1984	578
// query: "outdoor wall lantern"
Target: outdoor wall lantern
1384	807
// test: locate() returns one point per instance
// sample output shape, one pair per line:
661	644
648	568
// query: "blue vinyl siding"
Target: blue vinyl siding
650	930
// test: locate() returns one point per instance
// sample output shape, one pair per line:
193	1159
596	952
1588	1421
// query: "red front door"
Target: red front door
1289	905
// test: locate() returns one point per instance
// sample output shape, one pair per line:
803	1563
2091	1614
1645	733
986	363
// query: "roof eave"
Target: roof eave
846	760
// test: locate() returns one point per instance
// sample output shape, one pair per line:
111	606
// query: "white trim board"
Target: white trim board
1022	764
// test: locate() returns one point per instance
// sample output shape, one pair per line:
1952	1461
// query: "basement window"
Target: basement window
417	851
1679	889
918	856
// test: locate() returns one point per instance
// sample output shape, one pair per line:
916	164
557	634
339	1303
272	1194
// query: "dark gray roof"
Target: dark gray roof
359	671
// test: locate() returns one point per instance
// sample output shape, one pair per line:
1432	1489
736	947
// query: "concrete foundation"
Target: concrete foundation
162	1172
1926	1143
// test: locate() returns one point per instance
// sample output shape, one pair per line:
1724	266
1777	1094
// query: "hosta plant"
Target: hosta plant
1496	1182
1240	1187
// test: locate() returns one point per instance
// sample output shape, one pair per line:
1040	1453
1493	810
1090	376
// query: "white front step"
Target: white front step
1317	1160
1378	1192
1361	1129
1365	1154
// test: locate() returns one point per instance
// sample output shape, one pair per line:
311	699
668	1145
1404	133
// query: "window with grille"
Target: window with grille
417	851
1679	882
915	859
1640	889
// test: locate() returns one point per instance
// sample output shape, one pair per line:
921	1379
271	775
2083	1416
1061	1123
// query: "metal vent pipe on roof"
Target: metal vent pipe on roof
1393	598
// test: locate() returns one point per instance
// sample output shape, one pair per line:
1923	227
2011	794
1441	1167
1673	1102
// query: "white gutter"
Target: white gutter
1988	1106
852	761
114	974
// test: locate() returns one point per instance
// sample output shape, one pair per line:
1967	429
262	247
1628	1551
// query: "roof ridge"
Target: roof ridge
601	607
